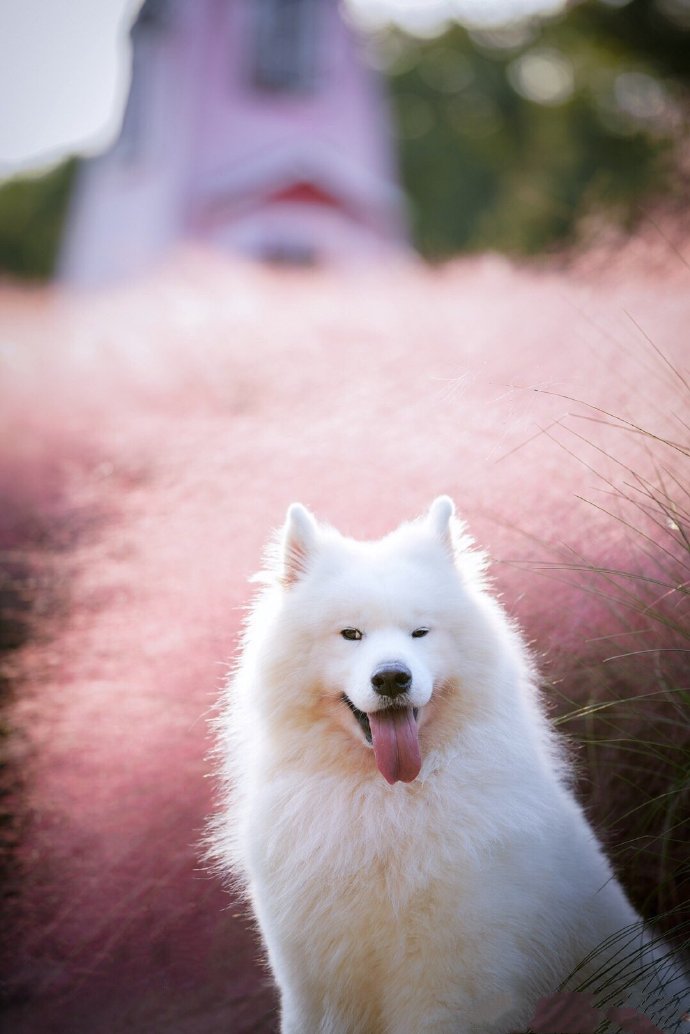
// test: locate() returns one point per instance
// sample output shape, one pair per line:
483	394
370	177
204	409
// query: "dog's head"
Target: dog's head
374	631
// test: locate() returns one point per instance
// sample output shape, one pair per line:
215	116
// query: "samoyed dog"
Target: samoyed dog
398	810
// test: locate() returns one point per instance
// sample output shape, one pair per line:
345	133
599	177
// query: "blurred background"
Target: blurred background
519	126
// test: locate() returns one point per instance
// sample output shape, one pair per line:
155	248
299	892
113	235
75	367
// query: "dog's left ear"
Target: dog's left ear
439	518
299	541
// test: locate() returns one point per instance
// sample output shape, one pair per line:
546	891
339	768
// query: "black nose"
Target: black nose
391	679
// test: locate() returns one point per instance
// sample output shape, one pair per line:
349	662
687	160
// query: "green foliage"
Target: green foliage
509	137
32	211
658	30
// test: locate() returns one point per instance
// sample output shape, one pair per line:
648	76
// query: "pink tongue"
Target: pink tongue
395	740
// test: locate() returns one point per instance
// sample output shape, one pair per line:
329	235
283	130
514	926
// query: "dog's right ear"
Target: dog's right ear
298	544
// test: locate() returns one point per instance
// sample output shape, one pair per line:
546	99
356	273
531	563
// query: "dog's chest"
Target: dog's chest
371	863
379	902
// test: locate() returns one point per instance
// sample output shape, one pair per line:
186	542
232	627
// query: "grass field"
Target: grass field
152	436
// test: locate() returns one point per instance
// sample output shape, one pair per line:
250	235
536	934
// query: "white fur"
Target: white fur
448	904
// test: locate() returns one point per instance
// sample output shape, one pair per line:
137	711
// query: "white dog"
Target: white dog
398	811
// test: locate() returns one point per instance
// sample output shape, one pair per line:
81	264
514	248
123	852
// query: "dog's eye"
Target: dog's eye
351	633
419	632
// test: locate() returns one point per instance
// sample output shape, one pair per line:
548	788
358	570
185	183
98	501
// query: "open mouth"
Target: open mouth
393	733
363	718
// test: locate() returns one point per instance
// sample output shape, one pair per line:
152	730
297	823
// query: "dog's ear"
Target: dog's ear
299	540
439	520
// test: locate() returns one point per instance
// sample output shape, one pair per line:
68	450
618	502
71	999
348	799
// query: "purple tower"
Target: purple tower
251	125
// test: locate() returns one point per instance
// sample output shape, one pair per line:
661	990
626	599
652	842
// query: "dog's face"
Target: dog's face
375	625
382	652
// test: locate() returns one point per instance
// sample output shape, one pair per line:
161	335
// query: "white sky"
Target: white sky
64	65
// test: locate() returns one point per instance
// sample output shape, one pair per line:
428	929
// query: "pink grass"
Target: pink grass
153	436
